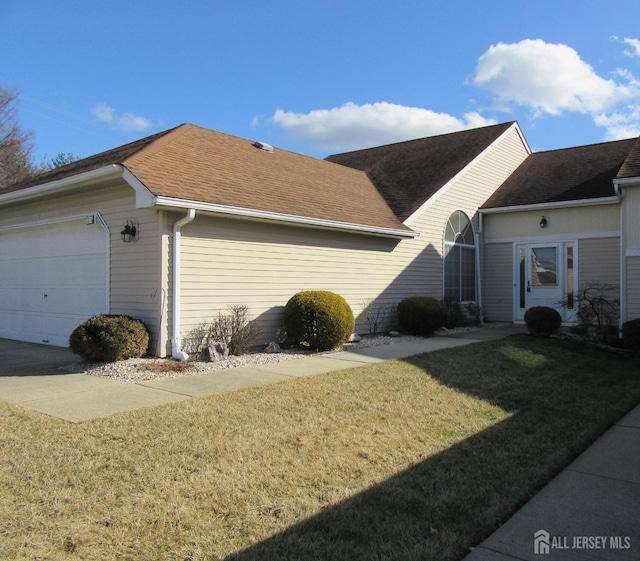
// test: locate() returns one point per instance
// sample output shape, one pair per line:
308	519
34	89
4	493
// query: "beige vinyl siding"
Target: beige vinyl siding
572	222
599	261
632	210
633	288
134	267
227	261
498	290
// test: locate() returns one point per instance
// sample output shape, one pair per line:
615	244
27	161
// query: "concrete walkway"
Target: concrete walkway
29	377
590	511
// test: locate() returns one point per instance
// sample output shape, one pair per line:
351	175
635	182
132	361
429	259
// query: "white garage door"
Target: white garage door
52	277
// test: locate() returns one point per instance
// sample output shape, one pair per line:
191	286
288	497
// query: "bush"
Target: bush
542	321
322	319
233	328
631	334
421	314
107	338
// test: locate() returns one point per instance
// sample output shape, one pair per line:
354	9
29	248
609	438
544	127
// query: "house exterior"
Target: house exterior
554	227
220	220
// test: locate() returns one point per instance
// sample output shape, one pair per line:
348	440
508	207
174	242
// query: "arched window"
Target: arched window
459	259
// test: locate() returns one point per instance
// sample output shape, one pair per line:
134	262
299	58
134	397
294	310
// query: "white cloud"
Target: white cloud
103	112
622	124
552	79
126	122
352	126
635	46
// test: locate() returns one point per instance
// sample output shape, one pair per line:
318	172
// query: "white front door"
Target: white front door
545	276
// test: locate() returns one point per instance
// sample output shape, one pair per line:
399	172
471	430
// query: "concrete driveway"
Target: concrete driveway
29	359
30	377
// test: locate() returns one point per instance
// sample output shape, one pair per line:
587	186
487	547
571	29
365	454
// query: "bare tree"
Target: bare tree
15	143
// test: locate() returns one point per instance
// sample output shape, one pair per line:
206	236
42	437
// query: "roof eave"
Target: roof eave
309	222
624	181
61	185
558	204
467	169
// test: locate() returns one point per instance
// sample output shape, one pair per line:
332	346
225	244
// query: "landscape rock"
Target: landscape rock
273	347
215	353
395	334
354	338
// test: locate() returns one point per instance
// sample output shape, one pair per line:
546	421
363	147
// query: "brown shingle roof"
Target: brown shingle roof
631	165
570	174
196	164
110	157
408	173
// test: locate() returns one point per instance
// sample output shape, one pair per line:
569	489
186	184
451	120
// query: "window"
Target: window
459	259
544	266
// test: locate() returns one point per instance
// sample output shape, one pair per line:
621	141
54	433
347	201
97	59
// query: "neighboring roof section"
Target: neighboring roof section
191	163
570	174
408	173
631	166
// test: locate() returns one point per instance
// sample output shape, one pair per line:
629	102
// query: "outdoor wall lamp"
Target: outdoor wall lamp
543	222
129	233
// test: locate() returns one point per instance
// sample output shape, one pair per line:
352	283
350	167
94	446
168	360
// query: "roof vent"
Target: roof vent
263	146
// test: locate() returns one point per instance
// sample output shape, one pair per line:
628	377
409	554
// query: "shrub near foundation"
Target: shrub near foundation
631	334
421	314
322	319
542	321
108	338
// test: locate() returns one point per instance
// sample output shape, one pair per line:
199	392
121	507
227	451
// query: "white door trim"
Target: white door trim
525	293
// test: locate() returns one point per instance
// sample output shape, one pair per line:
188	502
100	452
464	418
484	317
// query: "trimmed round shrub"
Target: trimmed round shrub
542	321
322	319
631	334
422	315
108	338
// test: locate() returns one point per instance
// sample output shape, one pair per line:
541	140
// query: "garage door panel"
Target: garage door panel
54	277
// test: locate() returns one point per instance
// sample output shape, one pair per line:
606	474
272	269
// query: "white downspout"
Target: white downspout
479	265
622	318
176	342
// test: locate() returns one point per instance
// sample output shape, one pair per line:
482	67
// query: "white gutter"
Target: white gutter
176	342
61	185
618	190
545	206
169	202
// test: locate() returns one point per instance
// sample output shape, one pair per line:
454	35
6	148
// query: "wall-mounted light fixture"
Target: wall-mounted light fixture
130	232
543	222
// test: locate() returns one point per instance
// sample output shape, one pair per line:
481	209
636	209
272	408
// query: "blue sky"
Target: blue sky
320	77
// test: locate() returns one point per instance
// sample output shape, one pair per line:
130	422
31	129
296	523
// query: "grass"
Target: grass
403	460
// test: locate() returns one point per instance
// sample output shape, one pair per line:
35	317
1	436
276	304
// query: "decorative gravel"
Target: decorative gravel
141	369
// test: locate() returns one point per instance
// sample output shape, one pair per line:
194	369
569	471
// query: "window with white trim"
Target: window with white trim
459	259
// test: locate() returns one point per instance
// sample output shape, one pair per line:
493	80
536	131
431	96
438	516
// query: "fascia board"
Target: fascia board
252	214
546	206
465	170
625	182
61	185
144	197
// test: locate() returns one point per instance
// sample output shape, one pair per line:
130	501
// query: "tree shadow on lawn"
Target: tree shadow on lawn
562	396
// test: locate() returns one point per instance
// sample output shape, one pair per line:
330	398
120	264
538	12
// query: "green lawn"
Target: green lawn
404	460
